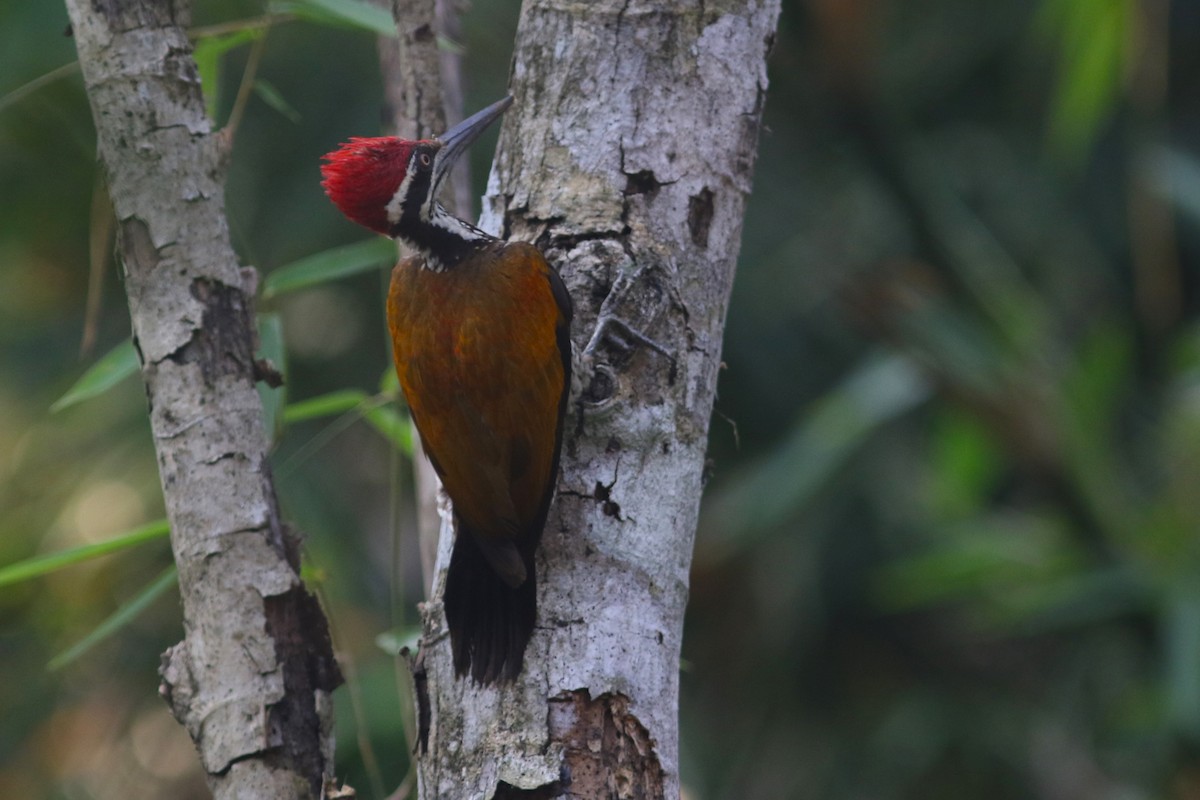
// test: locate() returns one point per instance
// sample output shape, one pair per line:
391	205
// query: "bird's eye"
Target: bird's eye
426	160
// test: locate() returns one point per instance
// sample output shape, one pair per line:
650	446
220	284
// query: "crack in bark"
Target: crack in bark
175	433
420	678
223	457
700	215
643	182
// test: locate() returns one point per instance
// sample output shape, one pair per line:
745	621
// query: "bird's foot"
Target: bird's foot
593	382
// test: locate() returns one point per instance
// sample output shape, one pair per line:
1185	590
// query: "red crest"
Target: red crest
361	177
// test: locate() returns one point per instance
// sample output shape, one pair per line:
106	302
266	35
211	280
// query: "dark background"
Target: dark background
949	543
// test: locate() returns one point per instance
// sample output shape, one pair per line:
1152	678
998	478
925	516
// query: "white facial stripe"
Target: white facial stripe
460	228
395	206
463	230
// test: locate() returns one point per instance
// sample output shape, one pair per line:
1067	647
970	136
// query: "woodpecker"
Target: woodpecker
480	339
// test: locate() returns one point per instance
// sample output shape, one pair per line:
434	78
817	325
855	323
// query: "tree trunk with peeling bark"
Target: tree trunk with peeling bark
251	681
627	157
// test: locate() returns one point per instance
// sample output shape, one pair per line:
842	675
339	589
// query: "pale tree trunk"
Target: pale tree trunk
627	157
252	679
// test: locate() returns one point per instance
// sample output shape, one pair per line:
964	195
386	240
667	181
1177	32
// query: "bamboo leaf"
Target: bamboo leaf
394	427
882	388
113	367
275	100
33	567
118	620
330	265
344	13
389	382
1093	39
208	52
327	405
270	347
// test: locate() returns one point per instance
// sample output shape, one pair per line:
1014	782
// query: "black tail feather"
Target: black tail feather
490	622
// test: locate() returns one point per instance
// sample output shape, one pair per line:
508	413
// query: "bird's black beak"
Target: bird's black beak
456	140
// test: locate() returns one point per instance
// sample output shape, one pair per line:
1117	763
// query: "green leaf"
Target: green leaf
966	462
118	620
1094	40
327	405
777	488
344	13
208	52
32	567
270	348
271	96
395	427
113	367
995	558
389	382
330	265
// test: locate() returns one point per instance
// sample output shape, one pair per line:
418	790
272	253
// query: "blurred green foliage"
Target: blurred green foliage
949	547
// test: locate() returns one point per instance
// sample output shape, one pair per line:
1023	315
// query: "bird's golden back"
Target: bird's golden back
478	350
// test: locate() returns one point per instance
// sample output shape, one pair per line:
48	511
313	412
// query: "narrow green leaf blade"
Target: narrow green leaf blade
394	427
330	265
389	382
1094	40
118	620
275	100
347	13
882	388
326	405
270	348
33	567
113	367
208	52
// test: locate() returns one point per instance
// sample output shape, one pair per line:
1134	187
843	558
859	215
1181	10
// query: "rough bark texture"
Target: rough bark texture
627	158
252	679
